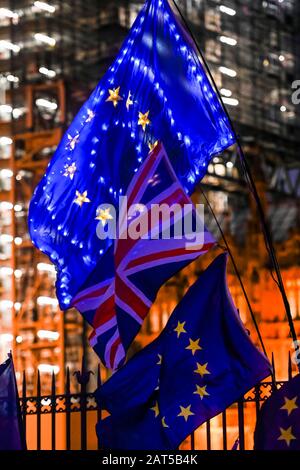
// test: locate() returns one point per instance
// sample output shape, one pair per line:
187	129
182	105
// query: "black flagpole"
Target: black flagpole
253	190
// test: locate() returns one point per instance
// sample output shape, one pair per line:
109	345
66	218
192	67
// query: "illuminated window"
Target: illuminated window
212	50
212	20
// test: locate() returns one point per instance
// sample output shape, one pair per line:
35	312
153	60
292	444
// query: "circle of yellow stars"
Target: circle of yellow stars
104	216
194	346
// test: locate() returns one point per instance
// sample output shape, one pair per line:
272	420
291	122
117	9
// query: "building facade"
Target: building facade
52	54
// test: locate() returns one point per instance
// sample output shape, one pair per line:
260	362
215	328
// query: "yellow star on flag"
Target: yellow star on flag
159	360
194	346
129	101
180	328
91	115
73	141
185	412
152	146
289	405
104	215
114	96
81	198
202	369
70	170
286	435
201	391
144	120
163	422
155	408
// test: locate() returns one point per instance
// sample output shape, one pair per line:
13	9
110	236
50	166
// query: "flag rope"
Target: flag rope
236	272
270	246
252	187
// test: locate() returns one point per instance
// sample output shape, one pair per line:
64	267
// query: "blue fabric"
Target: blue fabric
163	373
10	432
159	66
278	425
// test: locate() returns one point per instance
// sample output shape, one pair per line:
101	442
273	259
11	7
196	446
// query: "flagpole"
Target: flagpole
254	192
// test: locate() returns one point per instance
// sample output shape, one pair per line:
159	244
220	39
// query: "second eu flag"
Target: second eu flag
278	424
202	362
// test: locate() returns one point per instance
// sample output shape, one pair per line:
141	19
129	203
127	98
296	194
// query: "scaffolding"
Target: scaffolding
51	57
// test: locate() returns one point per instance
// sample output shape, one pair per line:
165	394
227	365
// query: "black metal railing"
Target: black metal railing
67	421
66	404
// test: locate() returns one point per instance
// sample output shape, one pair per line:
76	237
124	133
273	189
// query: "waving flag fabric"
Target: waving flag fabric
11	432
201	363
119	293
278	425
156	89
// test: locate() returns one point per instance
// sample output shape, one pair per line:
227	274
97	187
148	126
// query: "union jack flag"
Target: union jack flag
118	295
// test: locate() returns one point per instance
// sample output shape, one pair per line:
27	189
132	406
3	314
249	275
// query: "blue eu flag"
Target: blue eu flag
156	90
11	431
201	363
278	425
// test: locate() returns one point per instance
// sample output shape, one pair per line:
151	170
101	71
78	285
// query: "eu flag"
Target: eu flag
11	437
278	425
156	89
201	363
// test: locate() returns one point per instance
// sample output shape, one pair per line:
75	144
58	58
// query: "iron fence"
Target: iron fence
67	421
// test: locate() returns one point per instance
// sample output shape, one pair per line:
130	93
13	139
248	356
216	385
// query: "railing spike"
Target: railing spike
38	383
290	367
68	384
83	364
53	384
24	384
99	411
99	376
274	372
38	412
24	405
68	410
53	411
273	360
